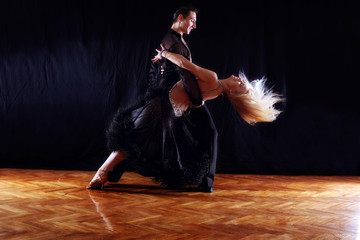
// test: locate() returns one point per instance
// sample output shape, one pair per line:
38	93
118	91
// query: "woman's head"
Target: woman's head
235	85
252	100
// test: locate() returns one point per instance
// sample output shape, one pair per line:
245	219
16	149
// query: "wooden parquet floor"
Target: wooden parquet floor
49	204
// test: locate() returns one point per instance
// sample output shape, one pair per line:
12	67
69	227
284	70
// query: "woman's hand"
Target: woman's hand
158	56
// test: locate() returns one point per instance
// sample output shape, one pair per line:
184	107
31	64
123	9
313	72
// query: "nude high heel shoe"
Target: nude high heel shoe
99	180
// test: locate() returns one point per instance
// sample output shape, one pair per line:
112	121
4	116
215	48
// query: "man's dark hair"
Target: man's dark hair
185	11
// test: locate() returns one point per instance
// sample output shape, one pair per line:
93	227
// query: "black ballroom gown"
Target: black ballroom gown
175	151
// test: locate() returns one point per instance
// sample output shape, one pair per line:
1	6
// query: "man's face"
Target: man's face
189	23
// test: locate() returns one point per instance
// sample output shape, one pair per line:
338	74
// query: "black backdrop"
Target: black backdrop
65	66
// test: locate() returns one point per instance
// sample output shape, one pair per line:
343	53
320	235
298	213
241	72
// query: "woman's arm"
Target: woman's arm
202	74
179	60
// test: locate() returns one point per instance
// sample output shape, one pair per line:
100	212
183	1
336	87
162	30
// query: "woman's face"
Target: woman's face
236	85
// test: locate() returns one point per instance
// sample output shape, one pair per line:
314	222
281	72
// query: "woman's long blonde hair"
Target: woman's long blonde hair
257	105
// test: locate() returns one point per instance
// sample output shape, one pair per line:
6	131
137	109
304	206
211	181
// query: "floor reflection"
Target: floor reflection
99	210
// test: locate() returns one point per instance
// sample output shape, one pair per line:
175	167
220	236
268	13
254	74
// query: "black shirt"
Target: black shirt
166	73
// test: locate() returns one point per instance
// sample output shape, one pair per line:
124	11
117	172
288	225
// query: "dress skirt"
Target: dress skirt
160	144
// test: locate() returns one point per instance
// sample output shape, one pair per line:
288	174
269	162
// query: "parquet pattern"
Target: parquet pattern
49	204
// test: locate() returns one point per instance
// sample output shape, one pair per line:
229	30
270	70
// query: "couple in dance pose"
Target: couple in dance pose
169	134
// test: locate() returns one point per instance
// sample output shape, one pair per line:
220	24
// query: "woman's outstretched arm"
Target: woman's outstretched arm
202	74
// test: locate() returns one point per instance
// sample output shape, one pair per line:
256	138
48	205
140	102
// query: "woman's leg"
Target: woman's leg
113	159
100	177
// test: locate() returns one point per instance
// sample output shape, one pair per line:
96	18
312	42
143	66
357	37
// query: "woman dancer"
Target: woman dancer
156	137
